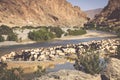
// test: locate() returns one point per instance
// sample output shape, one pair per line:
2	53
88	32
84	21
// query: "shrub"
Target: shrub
12	37
90	25
118	33
40	71
65	34
10	74
5	30
118	51
1	38
89	62
76	32
16	27
40	35
28	27
57	30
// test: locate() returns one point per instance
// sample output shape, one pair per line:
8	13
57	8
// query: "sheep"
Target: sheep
41	57
3	59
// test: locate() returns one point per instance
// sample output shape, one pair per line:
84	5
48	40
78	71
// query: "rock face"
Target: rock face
40	13
113	69
110	15
68	75
91	13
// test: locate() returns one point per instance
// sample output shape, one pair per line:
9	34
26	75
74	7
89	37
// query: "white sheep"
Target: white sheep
3	59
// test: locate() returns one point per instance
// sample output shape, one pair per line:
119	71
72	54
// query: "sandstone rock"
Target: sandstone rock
68	75
40	13
113	69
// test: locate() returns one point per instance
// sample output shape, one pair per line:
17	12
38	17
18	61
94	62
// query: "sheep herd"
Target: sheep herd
108	46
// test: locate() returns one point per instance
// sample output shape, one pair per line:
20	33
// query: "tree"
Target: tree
5	30
12	37
41	35
57	30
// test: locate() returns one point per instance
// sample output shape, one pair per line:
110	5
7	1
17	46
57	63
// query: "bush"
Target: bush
118	51
28	27
12	37
5	30
57	30
10	74
89	62
118	32
40	71
90	25
16	27
41	35
76	32
1	38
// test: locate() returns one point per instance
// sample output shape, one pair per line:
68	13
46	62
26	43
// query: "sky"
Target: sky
89	4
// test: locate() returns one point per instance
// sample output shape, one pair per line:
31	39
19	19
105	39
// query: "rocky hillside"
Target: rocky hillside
40	13
110	15
91	13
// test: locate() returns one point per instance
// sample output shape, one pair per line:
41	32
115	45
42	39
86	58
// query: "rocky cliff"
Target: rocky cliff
110	15
40	13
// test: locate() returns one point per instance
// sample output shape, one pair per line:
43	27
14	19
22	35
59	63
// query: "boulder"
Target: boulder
113	69
68	75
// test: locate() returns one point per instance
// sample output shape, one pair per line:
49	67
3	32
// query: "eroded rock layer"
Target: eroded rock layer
40	13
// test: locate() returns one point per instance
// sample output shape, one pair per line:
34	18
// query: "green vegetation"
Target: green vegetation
28	27
5	30
57	30
41	35
90	25
12	37
10	74
89	62
45	33
118	51
16	27
76	32
102	27
40	71
1	38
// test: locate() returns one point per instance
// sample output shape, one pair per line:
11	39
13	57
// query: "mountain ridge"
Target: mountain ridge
110	15
40	13
91	13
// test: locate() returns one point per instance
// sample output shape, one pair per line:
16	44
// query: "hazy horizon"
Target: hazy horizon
88	5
